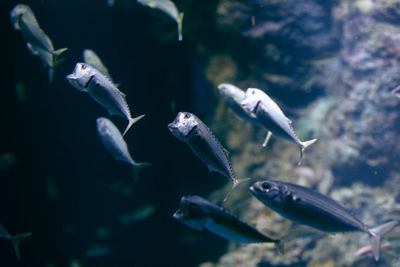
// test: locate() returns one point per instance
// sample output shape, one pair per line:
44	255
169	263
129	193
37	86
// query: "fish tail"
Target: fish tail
236	182
180	37
131	122
375	236
15	240
280	246
56	62
137	167
58	52
303	146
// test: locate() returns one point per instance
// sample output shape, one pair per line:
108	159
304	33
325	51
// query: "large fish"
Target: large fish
233	96
261	107
86	78
198	213
169	8
38	43
114	142
190	129
15	239
91	58
303	205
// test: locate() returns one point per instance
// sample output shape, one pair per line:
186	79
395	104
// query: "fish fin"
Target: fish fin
269	134
56	62
236	182
131	122
226	151
15	240
180	37
58	52
303	146
280	246
375	236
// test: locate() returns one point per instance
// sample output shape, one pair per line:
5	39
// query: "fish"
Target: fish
169	8
88	79
38	43
15	240
138	214
305	206
261	107
199	214
97	250
91	58
188	128
233	96
115	143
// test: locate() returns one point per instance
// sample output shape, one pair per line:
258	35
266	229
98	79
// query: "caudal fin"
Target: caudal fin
375	236
236	182
303	146
131	122
56	62
180	37
15	240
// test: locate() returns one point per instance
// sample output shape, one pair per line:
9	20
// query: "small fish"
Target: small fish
15	240
98	250
190	129
198	213
169	8
91	58
38	43
260	106
86	78
303	205
138	214
20	91
233	96
114	142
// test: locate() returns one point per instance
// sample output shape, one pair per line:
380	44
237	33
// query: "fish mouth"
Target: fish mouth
71	77
177	215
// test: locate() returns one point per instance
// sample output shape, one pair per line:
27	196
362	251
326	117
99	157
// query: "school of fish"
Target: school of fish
296	203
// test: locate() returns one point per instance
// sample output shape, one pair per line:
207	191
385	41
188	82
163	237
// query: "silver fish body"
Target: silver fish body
305	206
169	8
198	213
261	107
190	129
91	58
86	78
114	142
38	43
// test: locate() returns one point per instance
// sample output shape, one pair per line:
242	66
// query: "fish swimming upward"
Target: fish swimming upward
233	96
190	129
114	142
86	78
15	240
38	43
303	205
169	8
260	106
91	58
198	213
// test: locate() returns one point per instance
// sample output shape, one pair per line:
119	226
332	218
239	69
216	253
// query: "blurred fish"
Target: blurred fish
15	240
368	249
86	78
138	214
7	159
38	43
305	206
169	8
20	91
91	58
103	232
198	213
52	191
98	251
74	263
260	106
396	91
190	129
233	96
114	142
110	3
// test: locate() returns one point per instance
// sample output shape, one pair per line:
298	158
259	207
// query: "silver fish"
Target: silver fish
169	8
15	240
114	142
261	107
305	206
91	58
190	129
86	78
233	96
38	43
198	213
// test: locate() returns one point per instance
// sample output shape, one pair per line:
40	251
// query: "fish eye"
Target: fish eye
83	67
187	115
266	187
253	92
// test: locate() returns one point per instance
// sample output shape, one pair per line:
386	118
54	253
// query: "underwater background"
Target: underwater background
330	65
